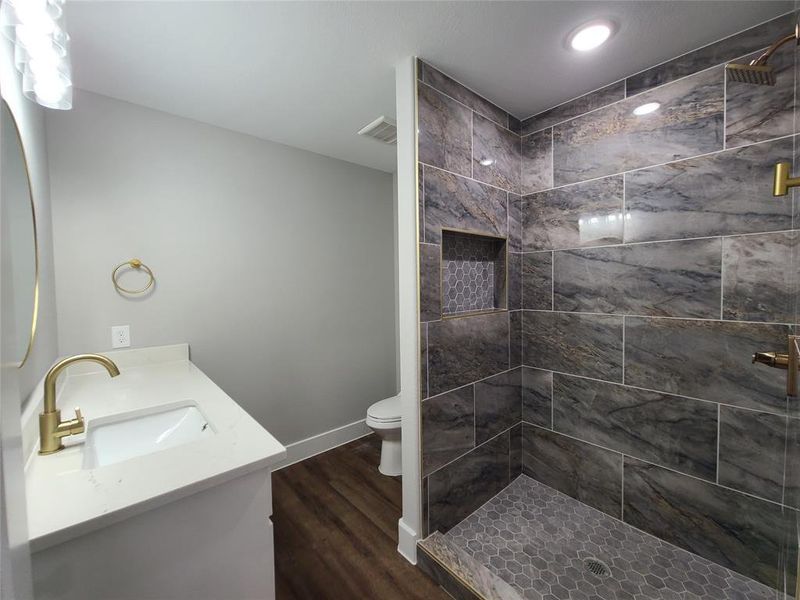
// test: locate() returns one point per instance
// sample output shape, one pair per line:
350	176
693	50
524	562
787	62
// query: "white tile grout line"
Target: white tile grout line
725	108
652	390
552	280
721	279
618	173
552	157
622	487
661	466
664	241
472	144
719	415
469	89
623	349
654	317
475	447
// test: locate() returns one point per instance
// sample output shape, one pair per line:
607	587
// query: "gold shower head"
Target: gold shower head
755	74
758	72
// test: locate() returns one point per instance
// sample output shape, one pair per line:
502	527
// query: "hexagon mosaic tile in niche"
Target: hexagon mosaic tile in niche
473	273
548	546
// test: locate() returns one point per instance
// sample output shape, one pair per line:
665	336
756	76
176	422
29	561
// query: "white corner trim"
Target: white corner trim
407	542
322	442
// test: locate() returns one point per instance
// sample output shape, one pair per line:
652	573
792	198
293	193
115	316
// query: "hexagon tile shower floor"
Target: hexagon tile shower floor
549	546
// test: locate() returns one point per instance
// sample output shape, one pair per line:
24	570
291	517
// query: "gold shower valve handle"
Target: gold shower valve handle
783	180
775	360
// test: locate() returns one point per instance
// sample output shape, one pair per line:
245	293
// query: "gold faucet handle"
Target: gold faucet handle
78	414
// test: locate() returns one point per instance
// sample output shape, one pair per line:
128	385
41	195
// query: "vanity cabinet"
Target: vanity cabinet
215	544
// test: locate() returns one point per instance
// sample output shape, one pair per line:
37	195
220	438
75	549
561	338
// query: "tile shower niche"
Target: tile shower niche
473	273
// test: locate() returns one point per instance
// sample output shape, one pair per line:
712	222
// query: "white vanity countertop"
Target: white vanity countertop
66	501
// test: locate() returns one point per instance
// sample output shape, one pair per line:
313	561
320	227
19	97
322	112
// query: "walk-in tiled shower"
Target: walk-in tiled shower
603	426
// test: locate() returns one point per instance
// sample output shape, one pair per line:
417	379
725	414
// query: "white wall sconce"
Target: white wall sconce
41	49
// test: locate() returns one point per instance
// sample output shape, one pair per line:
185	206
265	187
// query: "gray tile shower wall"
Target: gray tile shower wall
653	262
470	155
653	267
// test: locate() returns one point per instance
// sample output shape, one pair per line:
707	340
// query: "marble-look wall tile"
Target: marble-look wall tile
466	349
459	203
514	281
459	488
537	162
498	404
421	200
671	279
423	360
675	432
448	427
589	345
613	139
435	78
705	359
514	124
751	452
514	223
754	113
515	338
537	280
574	216
490	142
537	397
588	473
719	52
737	531
574	108
761	277
444	138
791	496
515	456
725	193
430	278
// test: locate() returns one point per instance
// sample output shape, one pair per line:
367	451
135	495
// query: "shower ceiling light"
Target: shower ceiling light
41	49
646	109
590	35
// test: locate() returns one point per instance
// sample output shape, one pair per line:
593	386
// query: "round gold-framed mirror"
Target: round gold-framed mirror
18	222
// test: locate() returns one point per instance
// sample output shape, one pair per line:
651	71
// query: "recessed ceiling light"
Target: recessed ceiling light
646	109
590	35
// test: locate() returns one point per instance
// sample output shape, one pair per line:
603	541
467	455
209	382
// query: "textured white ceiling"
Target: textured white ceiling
310	74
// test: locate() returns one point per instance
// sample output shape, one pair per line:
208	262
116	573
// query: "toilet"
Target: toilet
384	418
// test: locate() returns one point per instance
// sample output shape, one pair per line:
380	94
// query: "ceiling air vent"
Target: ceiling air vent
382	129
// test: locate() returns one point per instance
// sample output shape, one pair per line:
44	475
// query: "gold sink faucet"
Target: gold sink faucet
51	427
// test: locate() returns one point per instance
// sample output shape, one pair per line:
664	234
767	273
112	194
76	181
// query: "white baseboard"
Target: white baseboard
407	542
322	442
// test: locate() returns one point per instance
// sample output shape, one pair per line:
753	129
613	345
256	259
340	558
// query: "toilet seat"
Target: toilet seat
385	411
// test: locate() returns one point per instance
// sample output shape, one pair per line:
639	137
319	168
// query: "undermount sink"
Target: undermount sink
109	442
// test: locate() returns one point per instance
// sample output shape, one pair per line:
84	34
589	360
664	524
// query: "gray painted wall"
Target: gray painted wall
275	264
18	383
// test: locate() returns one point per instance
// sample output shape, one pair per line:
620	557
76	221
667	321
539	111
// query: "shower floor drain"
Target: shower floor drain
597	567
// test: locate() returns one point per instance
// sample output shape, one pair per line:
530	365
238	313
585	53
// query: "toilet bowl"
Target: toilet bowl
384	419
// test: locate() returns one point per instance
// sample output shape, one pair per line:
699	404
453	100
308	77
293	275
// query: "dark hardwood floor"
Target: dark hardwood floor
335	521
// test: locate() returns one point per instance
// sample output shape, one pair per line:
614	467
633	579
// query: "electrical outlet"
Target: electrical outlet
120	336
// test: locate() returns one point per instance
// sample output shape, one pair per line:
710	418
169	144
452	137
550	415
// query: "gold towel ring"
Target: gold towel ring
137	264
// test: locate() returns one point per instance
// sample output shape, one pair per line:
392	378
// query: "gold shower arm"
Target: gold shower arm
771	50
